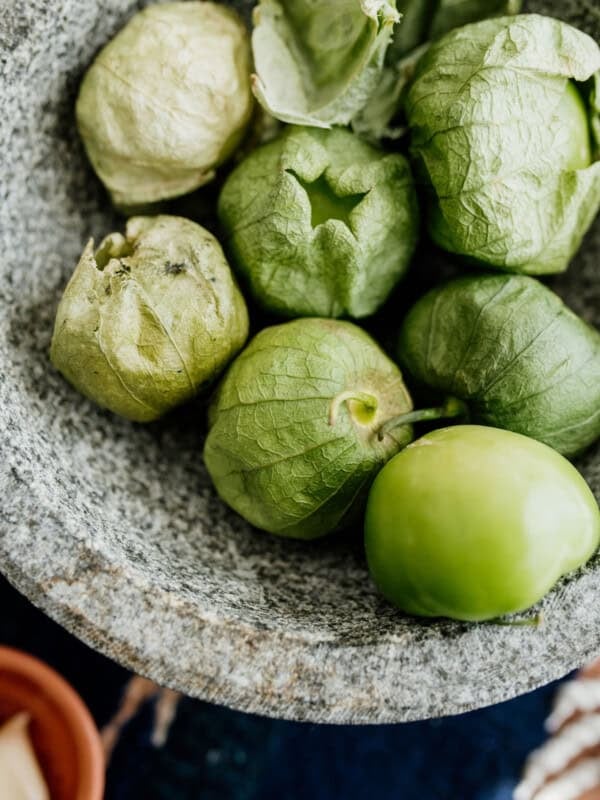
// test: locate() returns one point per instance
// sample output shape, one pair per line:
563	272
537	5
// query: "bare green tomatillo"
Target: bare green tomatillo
293	440
149	318
319	223
472	523
166	101
513	352
504	117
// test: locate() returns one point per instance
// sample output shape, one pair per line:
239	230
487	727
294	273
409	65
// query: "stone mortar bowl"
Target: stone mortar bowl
114	530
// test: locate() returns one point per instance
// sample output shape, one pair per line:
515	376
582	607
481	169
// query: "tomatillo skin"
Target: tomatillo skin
472	522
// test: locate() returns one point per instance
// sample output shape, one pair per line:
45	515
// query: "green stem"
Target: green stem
453	407
526	622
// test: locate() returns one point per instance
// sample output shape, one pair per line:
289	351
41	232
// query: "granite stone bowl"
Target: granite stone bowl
113	528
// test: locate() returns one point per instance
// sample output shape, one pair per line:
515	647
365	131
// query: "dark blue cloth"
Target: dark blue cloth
213	753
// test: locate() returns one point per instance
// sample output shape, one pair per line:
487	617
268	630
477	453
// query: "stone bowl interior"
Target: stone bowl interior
114	529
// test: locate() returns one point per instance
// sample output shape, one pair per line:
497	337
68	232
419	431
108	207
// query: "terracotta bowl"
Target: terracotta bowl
65	739
114	529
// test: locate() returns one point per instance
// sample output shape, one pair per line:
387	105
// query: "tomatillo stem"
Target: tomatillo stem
368	401
453	407
526	622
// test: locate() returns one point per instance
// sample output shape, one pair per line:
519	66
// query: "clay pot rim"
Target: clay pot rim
90	754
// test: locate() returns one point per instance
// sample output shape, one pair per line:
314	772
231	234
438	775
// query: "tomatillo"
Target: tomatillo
472	522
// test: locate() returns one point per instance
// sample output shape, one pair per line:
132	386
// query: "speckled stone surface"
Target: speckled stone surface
114	530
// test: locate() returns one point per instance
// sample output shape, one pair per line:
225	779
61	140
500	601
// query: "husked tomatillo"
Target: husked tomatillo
317	63
150	318
509	348
293	440
504	118
166	101
319	223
